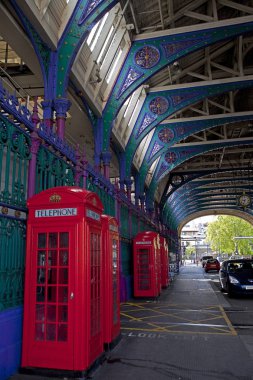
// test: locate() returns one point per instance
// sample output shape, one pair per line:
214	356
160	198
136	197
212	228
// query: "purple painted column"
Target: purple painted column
142	199
106	158
47	114
85	172
78	168
35	140
128	183
61	106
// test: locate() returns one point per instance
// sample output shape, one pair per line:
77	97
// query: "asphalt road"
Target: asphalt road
239	309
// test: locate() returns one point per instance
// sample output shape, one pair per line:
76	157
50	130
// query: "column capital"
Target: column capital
61	106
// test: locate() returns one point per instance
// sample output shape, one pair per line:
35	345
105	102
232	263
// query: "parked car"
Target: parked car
204	259
212	264
236	276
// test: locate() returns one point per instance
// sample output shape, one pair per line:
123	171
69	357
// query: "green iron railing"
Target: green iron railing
52	171
12	241
14	161
106	198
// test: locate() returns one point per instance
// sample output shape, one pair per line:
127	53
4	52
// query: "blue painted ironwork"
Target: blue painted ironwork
199	92
171	47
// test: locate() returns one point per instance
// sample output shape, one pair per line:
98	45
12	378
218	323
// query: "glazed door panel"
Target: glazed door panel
52	298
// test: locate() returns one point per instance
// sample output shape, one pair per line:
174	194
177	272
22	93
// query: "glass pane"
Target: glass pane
62	333
63	276
41	276
51	313
64	259
63	313
40	294
51	294
52	276
64	239
39	331
63	294
41	258
51	332
52	257
42	240
53	240
40	312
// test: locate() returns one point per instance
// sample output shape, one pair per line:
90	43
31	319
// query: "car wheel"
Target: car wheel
206	270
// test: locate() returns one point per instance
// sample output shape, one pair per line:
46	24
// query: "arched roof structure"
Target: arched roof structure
159	92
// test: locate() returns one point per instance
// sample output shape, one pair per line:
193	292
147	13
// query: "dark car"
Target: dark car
236	276
205	258
212	264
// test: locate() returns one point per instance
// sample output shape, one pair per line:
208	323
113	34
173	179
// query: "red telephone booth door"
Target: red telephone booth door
49	340
144	272
96	338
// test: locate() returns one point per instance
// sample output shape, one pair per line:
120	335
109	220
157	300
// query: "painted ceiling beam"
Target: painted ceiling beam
163	102
169	133
152	52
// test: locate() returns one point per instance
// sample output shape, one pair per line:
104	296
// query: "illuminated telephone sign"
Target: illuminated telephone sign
63	288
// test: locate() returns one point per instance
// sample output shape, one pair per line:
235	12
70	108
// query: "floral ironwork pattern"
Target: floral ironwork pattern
170	157
147	57
166	135
147	120
155	149
159	105
132	76
87	10
161	170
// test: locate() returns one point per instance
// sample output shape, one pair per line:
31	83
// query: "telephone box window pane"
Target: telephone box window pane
51	313
51	332
64	258
63	313
40	312
52	257
41	258
53	240
41	276
40	294
63	276
52	276
51	294
63	294
42	240
64	239
62	333
39	331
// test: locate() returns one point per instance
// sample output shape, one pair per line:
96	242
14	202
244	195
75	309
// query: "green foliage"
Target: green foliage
221	233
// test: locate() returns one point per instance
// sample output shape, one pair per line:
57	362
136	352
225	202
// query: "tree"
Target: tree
221	234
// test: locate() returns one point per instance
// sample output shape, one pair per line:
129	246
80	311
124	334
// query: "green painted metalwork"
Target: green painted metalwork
12	242
52	171
14	161
124	228
106	198
126	258
134	224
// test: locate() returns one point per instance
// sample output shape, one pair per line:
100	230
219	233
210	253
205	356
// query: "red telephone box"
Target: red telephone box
164	262
146	265
63	287
111	280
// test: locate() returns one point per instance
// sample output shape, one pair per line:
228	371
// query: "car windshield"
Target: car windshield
211	261
240	266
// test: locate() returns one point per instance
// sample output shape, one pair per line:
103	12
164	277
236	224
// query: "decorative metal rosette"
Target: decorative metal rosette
166	135
170	157
159	105
147	57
